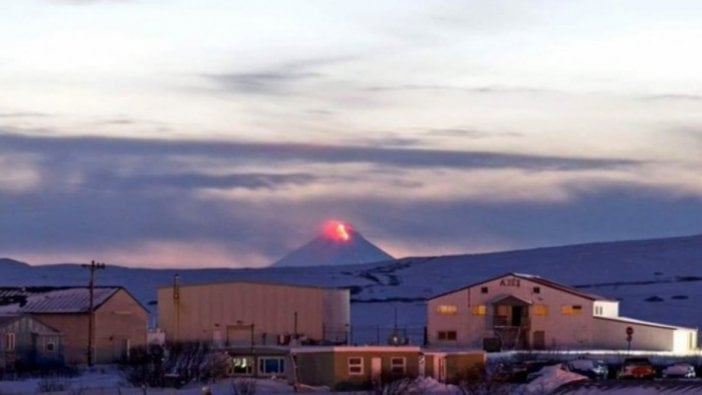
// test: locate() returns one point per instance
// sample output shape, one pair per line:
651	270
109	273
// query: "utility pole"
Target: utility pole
93	266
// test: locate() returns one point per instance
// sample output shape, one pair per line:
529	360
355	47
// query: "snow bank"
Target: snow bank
549	378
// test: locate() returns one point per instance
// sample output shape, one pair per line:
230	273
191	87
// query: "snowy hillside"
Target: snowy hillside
658	280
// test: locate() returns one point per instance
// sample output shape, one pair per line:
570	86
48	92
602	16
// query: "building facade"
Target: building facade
520	311
248	313
27	342
120	321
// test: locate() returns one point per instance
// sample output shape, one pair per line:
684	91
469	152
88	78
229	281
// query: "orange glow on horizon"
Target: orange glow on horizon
337	230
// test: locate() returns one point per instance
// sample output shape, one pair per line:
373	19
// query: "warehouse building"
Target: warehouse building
519	311
253	313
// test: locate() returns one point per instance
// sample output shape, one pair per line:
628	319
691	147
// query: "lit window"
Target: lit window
241	366
10	341
480	309
540	309
567	309
397	365
355	366
447	309
271	365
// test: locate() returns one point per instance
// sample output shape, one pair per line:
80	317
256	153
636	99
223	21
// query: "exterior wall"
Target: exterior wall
31	341
120	317
74	328
611	334
609	309
685	340
309	361
242	313
460	366
336	315
571	331
120	323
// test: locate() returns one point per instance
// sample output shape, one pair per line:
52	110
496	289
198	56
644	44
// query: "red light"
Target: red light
337	230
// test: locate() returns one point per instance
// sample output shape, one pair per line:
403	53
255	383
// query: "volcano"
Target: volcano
338	244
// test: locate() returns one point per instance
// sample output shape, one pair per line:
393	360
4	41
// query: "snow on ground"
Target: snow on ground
106	380
549	378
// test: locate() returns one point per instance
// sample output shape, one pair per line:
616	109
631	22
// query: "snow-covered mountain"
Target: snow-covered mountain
338	244
658	280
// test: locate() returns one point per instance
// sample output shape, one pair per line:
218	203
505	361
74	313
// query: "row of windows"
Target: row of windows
276	365
502	310
398	365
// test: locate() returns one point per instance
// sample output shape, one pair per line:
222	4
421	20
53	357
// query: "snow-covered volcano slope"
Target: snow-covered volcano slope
659	280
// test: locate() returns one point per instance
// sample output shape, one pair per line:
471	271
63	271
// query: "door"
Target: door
539	342
517	315
376	368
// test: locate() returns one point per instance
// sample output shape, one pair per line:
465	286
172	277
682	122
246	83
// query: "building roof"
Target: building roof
8	319
252	282
627	320
52	300
535	279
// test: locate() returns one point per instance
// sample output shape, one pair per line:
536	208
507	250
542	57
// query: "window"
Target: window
355	365
541	309
483	290
599	310
447	335
447	309
397	365
50	346
480	309
502	310
537	290
567	309
272	365
241	366
10	341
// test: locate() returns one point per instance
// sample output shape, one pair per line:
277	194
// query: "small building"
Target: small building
352	367
119	319
26	342
243	313
520	311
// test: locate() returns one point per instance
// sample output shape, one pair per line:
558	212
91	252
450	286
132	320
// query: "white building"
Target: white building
530	312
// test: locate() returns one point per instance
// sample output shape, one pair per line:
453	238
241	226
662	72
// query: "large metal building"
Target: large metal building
254	313
519	311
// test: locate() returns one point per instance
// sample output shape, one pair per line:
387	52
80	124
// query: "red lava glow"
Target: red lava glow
337	230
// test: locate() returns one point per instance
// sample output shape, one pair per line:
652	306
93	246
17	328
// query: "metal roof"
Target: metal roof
538	280
51	300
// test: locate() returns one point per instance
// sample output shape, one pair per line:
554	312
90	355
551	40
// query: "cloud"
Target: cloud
139	202
260	152
470	133
673	97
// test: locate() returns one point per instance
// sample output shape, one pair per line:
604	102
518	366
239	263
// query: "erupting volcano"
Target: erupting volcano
338	244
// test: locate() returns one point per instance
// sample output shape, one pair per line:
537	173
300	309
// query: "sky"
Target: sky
222	133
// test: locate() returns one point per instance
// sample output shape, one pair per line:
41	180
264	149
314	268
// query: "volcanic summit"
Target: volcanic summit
338	244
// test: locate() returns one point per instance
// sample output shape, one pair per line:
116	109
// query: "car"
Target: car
637	368
679	370
592	368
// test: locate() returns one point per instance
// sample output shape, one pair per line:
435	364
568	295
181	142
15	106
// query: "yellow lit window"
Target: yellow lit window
567	309
480	309
541	309
447	309
502	310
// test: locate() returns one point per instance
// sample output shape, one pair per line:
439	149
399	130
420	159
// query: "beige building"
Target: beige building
120	320
352	367
529	312
253	313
